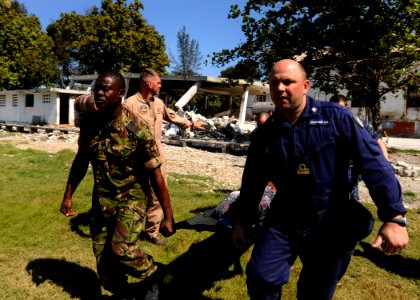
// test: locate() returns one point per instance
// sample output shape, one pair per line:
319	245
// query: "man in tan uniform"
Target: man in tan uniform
146	106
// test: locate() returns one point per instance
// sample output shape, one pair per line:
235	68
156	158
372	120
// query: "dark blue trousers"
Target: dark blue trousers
276	250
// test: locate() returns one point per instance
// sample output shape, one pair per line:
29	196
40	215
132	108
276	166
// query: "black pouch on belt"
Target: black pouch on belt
346	223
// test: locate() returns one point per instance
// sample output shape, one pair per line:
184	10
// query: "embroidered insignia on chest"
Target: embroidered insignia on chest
314	109
358	121
143	108
302	170
319	122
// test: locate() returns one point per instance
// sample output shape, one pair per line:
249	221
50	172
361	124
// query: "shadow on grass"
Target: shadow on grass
224	191
204	263
405	267
203	209
187	277
79	282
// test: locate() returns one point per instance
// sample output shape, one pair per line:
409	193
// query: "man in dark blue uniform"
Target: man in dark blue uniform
304	149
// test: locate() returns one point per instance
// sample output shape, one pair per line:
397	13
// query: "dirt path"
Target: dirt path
225	168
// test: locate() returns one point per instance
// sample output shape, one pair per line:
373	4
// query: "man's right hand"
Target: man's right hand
67	208
199	125
239	236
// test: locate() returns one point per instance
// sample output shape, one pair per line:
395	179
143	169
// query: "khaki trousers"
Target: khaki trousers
154	212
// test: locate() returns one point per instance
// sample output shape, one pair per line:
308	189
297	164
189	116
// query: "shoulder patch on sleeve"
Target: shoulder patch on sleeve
131	126
358	121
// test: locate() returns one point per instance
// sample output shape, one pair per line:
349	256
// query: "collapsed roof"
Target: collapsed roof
184	88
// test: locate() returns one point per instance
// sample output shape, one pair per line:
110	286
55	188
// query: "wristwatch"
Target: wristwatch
402	221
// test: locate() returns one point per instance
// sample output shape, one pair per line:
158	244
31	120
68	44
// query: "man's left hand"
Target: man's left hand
391	237
167	227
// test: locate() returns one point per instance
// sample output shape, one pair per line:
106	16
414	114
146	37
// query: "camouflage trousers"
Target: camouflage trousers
116	246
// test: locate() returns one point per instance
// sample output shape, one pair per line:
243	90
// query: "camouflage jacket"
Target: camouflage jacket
122	154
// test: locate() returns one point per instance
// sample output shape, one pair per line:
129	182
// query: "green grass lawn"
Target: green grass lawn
45	255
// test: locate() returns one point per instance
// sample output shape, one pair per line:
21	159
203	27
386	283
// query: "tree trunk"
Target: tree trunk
375	111
375	106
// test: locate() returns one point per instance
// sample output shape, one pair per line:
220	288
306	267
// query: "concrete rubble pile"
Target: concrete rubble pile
404	169
218	128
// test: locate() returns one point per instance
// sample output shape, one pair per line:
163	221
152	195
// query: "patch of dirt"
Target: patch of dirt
410	185
225	168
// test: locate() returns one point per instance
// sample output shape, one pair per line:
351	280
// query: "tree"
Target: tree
245	69
115	36
189	56
26	52
369	47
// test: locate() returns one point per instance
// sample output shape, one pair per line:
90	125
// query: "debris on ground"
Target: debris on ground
222	128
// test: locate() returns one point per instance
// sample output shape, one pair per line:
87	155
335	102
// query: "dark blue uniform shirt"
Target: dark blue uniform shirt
308	163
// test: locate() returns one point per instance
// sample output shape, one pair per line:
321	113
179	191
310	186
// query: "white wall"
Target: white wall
48	112
19	113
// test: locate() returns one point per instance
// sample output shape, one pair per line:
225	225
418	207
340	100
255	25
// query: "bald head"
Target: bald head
291	64
288	88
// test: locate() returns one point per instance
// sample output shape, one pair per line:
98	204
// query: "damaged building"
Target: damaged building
54	106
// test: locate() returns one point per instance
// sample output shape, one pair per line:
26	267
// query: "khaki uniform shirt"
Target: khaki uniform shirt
150	112
153	113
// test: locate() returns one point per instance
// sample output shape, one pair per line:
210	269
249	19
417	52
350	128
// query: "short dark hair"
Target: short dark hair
337	98
146	73
114	75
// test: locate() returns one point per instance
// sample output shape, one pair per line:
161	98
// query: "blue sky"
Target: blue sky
205	20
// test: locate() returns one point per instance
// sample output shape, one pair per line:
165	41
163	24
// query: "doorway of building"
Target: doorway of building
64	108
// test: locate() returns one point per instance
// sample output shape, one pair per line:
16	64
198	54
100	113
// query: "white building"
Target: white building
38	107
54	106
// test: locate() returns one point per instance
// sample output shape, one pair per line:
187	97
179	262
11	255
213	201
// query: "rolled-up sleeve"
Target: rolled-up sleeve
171	116
153	163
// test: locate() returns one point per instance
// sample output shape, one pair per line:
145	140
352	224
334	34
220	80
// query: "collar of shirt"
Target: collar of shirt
312	109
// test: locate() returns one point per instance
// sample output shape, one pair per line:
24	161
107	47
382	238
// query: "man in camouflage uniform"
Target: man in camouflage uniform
148	108
125	158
